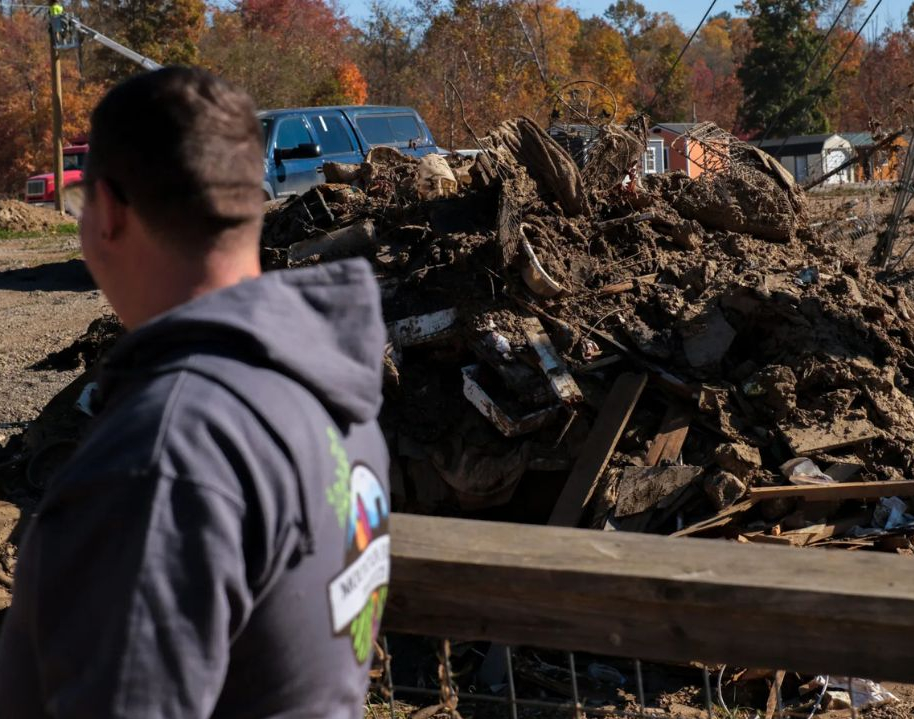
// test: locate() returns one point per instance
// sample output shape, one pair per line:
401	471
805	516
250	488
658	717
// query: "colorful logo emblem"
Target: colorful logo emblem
358	593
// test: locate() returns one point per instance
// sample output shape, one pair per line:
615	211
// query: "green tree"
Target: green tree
784	40
168	31
387	52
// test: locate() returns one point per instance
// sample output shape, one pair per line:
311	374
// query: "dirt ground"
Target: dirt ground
47	299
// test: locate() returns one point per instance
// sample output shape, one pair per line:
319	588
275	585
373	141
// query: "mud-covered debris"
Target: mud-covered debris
516	300
524	142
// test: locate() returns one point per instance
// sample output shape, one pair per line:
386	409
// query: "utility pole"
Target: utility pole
56	102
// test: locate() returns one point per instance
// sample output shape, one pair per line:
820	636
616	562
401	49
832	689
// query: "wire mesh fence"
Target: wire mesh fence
521	683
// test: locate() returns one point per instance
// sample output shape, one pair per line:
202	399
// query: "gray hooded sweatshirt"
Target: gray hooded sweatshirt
218	545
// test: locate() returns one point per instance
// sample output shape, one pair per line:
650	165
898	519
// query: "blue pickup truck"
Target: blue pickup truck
297	142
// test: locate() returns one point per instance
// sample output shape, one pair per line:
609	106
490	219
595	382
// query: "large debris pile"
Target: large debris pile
594	348
523	296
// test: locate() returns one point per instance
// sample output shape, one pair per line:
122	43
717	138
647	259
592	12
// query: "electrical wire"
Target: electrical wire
805	73
669	75
836	65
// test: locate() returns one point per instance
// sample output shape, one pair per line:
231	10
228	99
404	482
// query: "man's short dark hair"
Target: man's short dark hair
184	148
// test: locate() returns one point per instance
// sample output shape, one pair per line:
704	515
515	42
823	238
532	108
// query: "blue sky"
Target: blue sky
688	13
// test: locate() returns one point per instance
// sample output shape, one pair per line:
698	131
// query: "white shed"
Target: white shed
807	157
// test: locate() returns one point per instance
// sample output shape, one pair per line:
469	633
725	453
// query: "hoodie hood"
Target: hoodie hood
322	326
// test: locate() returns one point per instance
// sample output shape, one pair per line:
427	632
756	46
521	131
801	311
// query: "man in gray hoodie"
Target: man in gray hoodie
218	545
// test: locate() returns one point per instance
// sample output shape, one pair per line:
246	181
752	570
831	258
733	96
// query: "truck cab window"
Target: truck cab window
331	133
74	162
292	133
376	130
405	128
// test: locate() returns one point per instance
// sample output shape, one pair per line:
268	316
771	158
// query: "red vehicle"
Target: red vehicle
40	188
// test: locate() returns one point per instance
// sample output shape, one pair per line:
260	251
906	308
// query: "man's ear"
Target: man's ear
112	212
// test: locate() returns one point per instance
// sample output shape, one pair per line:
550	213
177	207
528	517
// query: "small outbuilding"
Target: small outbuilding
807	157
882	165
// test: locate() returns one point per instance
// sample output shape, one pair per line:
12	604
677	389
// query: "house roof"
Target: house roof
678	128
795	145
859	139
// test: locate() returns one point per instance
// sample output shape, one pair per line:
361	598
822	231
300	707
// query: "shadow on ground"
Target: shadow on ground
70	276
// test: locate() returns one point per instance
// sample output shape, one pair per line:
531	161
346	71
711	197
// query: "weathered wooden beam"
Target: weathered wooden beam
836	491
601	443
654	598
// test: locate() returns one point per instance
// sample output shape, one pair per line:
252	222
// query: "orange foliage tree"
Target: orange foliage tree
501	57
25	100
599	54
285	52
715	91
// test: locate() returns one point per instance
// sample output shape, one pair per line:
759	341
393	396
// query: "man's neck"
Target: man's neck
169	279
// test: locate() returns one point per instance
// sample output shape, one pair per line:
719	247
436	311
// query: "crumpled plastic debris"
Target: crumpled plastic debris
803	470
863	692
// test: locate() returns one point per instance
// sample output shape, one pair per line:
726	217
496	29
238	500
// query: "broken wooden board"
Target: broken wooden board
660	375
804	441
627	285
672	435
836	491
721	519
644	488
552	364
599	447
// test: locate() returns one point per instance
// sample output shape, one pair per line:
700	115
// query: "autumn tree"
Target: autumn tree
500	57
25	100
654	41
875	96
168	31
785	36
285	52
599	53
387	52
715	90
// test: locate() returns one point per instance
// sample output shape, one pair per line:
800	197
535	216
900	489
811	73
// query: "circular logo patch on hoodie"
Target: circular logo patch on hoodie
358	593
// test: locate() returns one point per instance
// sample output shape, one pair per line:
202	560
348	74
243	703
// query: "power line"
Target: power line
669	74
836	65
805	73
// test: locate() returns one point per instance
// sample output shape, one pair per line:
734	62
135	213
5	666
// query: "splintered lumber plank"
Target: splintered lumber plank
837	491
653	597
843	433
672	435
552	364
599	447
721	519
